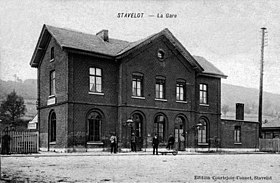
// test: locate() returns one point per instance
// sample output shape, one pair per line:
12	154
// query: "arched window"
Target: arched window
52	127
159	127
202	131
94	126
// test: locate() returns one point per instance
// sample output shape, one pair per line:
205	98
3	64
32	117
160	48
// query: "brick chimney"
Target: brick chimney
239	111
103	34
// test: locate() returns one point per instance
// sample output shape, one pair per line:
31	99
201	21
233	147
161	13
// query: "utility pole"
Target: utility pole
261	80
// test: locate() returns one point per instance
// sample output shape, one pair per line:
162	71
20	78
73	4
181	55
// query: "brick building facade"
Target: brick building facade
89	86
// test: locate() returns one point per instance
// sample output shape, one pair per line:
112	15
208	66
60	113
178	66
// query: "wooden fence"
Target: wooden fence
270	145
22	142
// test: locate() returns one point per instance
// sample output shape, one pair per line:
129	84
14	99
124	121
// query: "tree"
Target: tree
12	108
225	109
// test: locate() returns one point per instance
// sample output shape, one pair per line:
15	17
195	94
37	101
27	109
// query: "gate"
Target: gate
270	145
21	142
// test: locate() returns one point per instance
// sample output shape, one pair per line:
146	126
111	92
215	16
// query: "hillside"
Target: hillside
26	89
232	94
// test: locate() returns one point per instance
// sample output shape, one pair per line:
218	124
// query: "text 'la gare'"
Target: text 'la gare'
167	15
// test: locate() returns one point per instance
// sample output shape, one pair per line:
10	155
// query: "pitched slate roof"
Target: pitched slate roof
209	68
114	48
87	42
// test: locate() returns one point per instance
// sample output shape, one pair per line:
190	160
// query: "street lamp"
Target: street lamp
128	123
197	127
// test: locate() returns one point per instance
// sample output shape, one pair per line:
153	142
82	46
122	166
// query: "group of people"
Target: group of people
155	143
114	143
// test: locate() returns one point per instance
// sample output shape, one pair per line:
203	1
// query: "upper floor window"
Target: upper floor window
52	83
52	53
237	134
160	88
203	94
95	80
137	85
181	90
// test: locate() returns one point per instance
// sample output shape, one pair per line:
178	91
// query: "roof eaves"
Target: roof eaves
39	51
32	62
177	44
88	52
123	53
165	32
53	35
213	75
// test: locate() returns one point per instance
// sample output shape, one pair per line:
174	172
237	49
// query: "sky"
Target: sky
225	32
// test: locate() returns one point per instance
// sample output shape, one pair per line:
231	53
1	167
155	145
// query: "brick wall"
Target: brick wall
59	64
61	112
249	134
79	84
146	62
74	101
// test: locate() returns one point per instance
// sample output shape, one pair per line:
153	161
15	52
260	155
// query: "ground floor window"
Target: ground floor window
202	131
159	127
52	127
94	126
237	134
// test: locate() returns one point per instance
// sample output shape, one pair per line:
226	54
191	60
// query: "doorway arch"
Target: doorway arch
179	132
138	127
51	128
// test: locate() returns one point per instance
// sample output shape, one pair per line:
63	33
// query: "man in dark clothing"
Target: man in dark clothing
6	144
171	141
133	142
155	144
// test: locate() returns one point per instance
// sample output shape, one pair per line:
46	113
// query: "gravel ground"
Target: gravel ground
144	168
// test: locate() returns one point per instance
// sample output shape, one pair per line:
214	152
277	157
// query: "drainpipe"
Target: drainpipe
120	101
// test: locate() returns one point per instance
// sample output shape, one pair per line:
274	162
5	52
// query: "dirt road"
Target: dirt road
145	168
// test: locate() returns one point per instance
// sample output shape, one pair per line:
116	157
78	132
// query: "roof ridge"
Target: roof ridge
78	31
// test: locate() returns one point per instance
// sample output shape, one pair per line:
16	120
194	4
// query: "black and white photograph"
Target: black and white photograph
140	91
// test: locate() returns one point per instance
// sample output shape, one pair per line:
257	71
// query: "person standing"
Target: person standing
155	144
113	140
6	143
133	142
171	141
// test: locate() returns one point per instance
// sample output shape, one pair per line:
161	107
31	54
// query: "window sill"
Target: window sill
161	100
203	144
95	143
51	96
53	143
95	93
181	101
52	60
136	97
206	105
237	143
